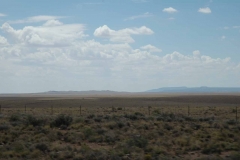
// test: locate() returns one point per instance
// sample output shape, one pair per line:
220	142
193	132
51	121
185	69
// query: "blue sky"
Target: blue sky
122	45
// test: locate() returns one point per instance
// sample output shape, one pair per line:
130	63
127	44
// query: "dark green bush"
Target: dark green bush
98	119
231	122
100	131
90	116
212	148
106	117
14	118
42	147
34	121
137	141
88	132
169	117
131	116
138	114
120	124
110	137
167	126
60	120
235	156
4	127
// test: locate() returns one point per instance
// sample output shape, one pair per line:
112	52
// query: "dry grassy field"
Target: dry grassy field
120	127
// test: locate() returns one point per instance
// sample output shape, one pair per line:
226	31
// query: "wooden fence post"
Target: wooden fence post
25	108
188	110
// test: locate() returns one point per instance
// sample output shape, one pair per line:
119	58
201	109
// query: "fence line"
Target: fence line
217	112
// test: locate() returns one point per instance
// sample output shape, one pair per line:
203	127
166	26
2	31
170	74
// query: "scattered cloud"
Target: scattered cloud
232	27
123	35
151	48
145	15
236	27
206	10
92	3
35	19
53	55
2	15
169	10
171	18
140	1
223	37
226	27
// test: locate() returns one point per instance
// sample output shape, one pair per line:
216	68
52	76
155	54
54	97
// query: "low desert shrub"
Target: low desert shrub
91	116
235	156
167	126
137	141
4	127
31	120
88	132
231	122
98	119
131	116
110	137
42	147
212	148
61	120
120	124
14	118
100	131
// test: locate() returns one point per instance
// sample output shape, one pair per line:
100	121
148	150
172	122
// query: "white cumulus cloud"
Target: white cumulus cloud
169	10
3	41
151	48
206	10
53	22
196	53
123	35
47	35
54	56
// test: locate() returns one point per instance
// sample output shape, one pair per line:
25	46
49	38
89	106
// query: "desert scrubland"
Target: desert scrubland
124	126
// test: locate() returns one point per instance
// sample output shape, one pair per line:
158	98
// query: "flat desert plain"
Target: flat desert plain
120	126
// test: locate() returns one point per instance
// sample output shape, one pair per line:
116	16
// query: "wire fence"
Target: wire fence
218	112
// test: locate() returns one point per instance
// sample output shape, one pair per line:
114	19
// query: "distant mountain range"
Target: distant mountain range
195	90
67	93
159	90
90	92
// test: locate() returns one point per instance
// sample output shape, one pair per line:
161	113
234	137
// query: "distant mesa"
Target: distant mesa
202	89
